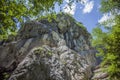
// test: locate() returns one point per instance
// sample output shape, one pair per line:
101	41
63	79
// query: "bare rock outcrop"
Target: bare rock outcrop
43	50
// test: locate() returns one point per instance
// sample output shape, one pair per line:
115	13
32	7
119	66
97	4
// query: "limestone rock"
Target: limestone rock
100	74
45	63
43	50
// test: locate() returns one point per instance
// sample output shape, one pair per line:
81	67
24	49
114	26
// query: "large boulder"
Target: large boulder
43	50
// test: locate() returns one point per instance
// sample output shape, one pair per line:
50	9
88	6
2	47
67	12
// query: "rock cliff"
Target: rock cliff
43	50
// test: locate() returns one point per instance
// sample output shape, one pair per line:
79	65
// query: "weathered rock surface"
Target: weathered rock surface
100	74
43	50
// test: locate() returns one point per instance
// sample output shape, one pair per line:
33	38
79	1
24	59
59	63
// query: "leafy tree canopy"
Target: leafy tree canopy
13	11
108	43
110	6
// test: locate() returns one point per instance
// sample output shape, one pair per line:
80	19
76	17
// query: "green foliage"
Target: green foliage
98	36
110	6
49	17
13	11
81	25
108	43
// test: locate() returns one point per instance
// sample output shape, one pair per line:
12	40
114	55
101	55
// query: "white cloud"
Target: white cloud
88	6
69	9
106	17
107	20
67	1
83	1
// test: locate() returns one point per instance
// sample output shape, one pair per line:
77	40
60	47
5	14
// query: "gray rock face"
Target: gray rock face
45	63
100	74
43	50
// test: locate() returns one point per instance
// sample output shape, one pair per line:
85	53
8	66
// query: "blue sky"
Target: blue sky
86	11
89	18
